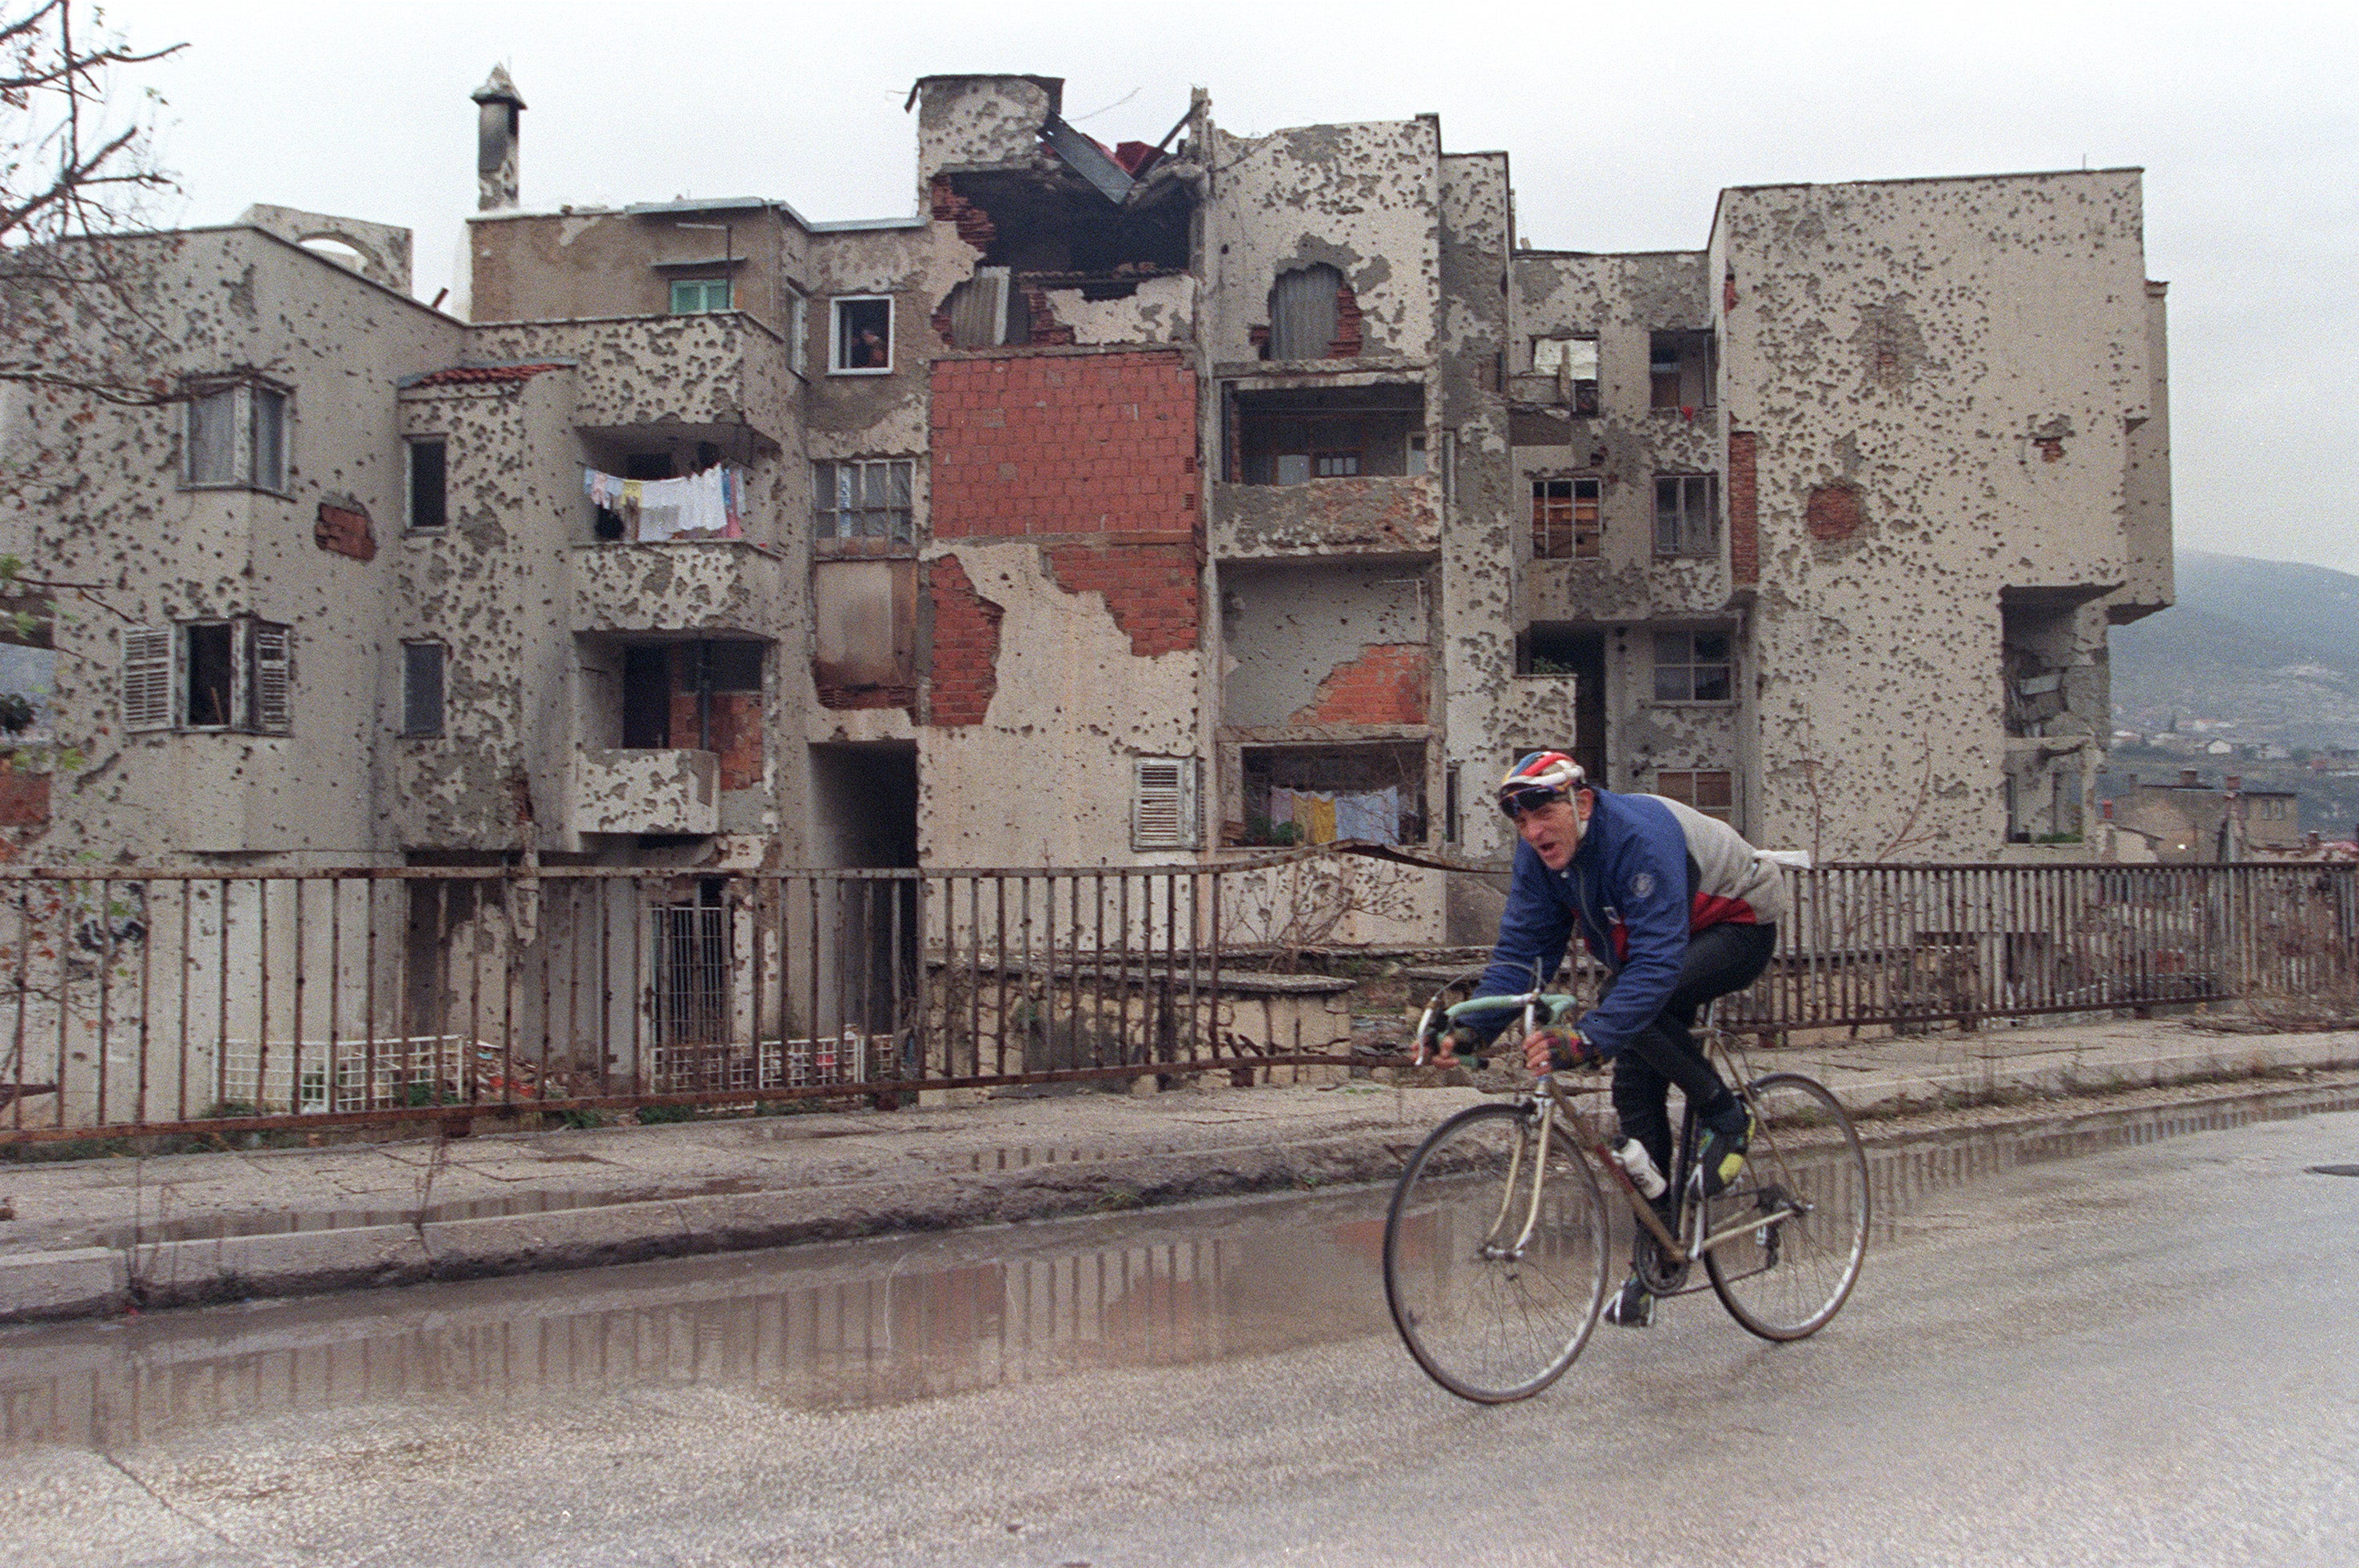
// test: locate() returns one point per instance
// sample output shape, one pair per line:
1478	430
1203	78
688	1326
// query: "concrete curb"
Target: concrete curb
187	1273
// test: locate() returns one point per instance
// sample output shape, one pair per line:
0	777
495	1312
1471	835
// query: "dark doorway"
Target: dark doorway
1579	652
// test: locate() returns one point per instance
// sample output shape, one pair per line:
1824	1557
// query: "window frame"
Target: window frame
836	340
1150	797
409	522
907	537
241	404
1692	663
1545	524
1695	778
1688	545
154	680
703	286
410	690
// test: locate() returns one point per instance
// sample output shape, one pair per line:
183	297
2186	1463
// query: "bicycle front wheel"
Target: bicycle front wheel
1494	1293
1805	1183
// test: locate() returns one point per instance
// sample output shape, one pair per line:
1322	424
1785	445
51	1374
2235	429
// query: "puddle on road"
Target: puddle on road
817	1327
854	1325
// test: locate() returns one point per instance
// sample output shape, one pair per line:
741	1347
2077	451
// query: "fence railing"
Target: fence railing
148	1001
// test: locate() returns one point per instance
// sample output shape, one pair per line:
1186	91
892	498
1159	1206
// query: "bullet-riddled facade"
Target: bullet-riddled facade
1124	506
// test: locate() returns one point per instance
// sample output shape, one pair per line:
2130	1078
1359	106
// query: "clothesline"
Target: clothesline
709	504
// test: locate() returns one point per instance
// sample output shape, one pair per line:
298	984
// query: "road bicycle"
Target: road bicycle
1497	1246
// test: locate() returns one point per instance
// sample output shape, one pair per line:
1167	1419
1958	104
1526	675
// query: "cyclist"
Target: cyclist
1680	909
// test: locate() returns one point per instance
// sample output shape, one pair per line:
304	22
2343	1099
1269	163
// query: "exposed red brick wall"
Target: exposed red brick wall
1150	589
24	801
1346	342
1046	330
1030	444
965	644
1832	512
737	736
1385	685
1743	507
974	224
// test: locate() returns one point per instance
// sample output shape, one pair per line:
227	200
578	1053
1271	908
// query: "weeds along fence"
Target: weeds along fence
156	1001
162	1000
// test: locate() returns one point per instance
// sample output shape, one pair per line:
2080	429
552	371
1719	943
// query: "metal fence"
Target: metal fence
1928	945
151	1001
148	1001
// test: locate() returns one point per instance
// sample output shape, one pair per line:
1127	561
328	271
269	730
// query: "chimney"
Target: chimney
2232	782
2186	779
498	126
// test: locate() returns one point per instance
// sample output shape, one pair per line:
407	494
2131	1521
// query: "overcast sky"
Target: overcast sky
1621	128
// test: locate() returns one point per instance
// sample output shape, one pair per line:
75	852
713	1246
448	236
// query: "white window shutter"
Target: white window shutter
1163	803
146	678
273	712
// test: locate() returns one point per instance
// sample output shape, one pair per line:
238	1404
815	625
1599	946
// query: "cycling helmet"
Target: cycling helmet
1537	779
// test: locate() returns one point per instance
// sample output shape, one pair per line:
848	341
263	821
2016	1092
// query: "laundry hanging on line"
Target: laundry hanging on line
707	504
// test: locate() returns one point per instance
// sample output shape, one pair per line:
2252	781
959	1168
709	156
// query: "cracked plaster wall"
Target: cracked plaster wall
103	504
1285	630
1477	575
1362	198
1072	707
1920	339
1621	300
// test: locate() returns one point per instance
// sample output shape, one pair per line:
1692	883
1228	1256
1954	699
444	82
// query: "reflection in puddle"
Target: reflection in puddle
864	1324
832	1328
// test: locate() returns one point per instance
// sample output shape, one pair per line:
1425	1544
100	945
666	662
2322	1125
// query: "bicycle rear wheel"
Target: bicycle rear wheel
1494	1300
1787	1277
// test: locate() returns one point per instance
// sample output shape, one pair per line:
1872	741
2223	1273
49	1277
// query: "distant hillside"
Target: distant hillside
2258	651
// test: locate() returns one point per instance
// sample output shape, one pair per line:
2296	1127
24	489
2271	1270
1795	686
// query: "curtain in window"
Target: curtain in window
212	438
1303	313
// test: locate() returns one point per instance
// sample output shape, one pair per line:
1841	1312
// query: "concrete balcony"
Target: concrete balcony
669	792
680	585
717	370
1381	516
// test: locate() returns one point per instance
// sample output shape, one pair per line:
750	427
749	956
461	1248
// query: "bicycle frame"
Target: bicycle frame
1552	1100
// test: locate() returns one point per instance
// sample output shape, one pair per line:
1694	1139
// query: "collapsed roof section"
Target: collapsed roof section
1035	194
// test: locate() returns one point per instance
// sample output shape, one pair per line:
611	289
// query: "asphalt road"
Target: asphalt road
2145	1356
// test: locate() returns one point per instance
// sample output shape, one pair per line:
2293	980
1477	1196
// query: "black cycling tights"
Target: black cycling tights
1720	959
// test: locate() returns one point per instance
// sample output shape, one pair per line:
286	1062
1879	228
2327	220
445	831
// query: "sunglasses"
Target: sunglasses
1515	802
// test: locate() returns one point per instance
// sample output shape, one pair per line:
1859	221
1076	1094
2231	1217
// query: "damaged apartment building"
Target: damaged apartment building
1153	504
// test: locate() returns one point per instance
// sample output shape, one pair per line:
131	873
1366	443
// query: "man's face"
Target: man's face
1554	829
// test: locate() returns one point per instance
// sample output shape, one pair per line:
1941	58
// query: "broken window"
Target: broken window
235	436
1290	437
421	688
863	498
1680	371
698	696
1371	790
1693	666
1163	802
988	310
1305	316
1687	515
429	484
861	335
232	674
1572	362
1579	652
701	296
1710	791
1565	524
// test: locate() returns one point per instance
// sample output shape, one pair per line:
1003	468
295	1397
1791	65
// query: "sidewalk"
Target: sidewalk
95	1237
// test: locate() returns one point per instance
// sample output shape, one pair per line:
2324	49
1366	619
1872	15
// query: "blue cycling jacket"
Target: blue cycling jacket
1648	873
